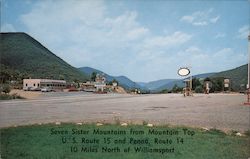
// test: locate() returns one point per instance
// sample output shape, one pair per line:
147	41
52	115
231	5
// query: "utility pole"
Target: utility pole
248	72
248	63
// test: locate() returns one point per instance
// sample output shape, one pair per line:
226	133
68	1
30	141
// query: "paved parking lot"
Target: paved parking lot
221	111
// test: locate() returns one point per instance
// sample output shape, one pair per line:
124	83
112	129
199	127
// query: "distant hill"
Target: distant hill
170	85
24	56
180	82
204	75
156	84
122	80
88	71
237	75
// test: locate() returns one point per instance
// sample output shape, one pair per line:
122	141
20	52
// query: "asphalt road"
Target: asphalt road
221	111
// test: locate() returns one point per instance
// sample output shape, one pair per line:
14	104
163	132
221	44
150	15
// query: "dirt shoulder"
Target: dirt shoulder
26	94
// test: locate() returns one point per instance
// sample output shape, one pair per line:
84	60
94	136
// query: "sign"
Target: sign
226	85
226	81
183	71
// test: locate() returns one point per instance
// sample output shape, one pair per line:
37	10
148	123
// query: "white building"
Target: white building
100	83
37	84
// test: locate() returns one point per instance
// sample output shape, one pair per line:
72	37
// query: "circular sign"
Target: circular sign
183	71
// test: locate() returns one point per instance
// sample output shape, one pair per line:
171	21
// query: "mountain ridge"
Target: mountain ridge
33	60
122	80
22	56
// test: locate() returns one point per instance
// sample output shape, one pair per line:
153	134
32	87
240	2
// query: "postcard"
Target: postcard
124	79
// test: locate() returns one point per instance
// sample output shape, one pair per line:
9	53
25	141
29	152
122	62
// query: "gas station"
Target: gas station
185	71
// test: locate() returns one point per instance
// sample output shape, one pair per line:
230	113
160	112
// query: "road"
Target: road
221	111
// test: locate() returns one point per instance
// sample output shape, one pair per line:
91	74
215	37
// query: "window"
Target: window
37	84
26	84
34	84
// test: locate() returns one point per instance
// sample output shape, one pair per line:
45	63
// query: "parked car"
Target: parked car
27	88
35	89
46	89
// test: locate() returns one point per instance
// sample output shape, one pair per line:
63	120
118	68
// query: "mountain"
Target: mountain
204	75
170	85
156	84
142	84
238	76
122	80
88	71
23	56
180	83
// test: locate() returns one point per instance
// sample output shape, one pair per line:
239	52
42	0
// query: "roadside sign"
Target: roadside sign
183	71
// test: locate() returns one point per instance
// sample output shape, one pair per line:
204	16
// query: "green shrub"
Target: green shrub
199	89
9	97
5	88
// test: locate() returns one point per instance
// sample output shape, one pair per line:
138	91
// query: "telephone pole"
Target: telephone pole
248	72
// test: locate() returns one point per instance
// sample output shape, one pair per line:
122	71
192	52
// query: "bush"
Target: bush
5	88
176	89
164	91
199	89
9	97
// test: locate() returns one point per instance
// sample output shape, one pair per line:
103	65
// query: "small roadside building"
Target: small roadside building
37	84
100	83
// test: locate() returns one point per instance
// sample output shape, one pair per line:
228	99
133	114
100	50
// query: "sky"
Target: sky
142	39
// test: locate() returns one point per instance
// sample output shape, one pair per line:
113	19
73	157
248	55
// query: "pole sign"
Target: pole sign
183	71
226	83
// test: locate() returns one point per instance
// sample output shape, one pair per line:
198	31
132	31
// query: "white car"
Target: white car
46	89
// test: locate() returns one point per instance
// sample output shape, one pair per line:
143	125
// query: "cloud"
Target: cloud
172	40
201	59
200	18
125	25
159	65
243	32
6	27
86	33
188	18
215	19
220	35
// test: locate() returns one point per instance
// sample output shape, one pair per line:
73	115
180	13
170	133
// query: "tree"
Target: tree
217	84
5	88
164	91
5	76
207	79
93	76
176	89
199	89
195	83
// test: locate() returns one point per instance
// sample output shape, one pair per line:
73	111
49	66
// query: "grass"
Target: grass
36	141
9	97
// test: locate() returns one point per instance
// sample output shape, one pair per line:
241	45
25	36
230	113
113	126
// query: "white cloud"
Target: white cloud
193	49
157	48
201	60
85	34
243	32
220	35
172	40
159	65
188	18
202	23
6	27
125	27
215	19
200	18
